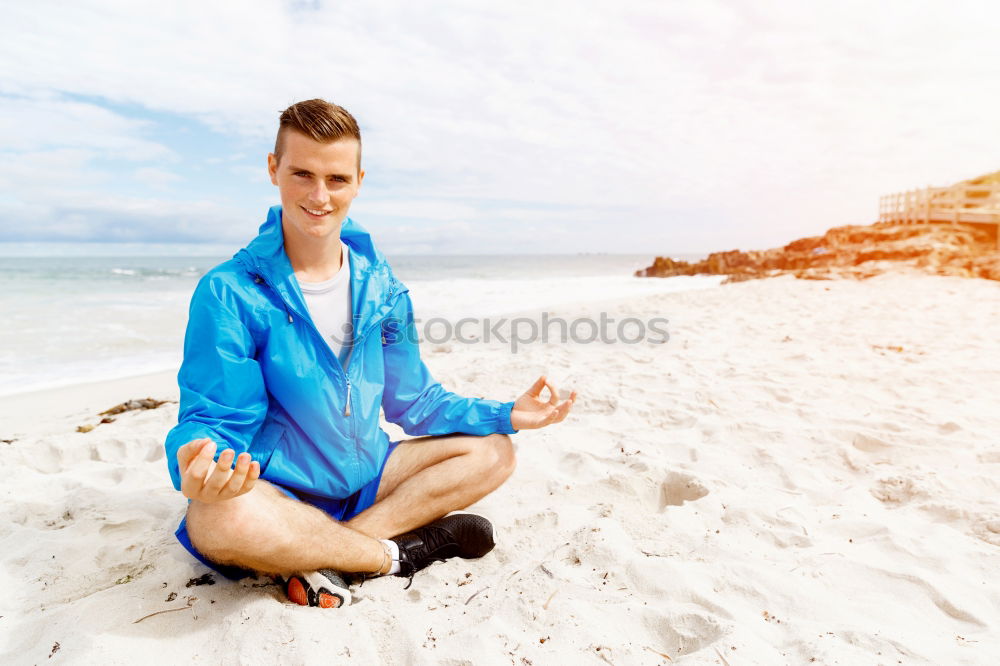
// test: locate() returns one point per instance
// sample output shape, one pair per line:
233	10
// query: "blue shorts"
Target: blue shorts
338	509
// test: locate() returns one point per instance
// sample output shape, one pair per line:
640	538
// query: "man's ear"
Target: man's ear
272	167
361	177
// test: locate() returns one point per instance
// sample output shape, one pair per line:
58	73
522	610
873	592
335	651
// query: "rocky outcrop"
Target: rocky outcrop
858	252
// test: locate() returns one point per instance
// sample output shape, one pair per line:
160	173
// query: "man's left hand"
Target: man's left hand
530	411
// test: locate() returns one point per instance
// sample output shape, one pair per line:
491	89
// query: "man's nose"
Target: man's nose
319	192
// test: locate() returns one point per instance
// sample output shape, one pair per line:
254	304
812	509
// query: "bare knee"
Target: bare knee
220	530
211	528
501	459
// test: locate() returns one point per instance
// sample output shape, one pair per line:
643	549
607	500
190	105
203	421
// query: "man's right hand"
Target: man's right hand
204	480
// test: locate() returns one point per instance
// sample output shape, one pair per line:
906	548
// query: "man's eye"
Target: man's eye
301	174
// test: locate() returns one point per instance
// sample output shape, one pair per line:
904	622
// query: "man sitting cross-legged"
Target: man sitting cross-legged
292	349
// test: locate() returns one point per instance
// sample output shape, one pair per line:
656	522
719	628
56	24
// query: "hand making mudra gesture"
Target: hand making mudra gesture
531	412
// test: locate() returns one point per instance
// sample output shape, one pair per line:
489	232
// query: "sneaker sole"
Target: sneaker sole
318	590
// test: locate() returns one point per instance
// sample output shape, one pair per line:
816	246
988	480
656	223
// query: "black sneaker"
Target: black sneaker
324	588
465	535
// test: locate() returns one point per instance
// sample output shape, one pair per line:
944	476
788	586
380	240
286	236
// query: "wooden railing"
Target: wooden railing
960	203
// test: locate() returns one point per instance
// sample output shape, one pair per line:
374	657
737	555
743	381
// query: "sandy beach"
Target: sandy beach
807	472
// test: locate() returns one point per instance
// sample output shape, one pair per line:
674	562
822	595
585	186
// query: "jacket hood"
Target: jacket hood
265	257
266	252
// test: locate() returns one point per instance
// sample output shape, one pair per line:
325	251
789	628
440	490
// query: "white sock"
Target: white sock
394	554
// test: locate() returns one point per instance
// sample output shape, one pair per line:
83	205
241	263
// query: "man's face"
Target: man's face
317	182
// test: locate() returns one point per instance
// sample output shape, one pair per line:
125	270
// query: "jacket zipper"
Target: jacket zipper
336	362
289	310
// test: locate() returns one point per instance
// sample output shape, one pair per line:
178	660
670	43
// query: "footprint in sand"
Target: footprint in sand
581	465
37	515
870	444
59	523
944	512
154	452
988	530
779	395
936	596
109	450
896	490
114	475
44	457
678	488
597	406
542	520
124	527
879	452
684	632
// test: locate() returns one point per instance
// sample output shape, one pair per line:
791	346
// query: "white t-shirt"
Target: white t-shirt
329	304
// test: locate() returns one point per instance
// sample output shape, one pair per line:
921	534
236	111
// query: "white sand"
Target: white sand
807	472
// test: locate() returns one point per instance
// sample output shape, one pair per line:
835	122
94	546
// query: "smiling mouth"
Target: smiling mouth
316	213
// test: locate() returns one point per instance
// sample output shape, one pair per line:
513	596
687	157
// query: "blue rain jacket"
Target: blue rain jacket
257	375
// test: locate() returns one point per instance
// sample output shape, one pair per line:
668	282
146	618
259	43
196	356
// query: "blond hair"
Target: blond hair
320	121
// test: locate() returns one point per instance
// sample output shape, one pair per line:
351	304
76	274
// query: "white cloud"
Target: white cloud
435	209
49	174
159	179
772	119
251	174
31	123
122	218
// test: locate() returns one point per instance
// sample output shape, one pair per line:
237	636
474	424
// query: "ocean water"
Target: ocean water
88	312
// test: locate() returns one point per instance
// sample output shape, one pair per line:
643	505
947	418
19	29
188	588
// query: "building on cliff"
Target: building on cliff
975	202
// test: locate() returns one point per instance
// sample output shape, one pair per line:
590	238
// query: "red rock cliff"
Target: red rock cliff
857	252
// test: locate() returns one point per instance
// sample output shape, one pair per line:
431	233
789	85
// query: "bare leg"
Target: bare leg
424	479
268	531
428	477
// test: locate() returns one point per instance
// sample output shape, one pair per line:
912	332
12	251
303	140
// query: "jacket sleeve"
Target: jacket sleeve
416	402
222	393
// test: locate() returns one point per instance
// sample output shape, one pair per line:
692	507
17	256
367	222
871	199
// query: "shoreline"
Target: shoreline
53	408
432	298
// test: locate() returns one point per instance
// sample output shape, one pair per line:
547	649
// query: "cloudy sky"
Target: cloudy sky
651	127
